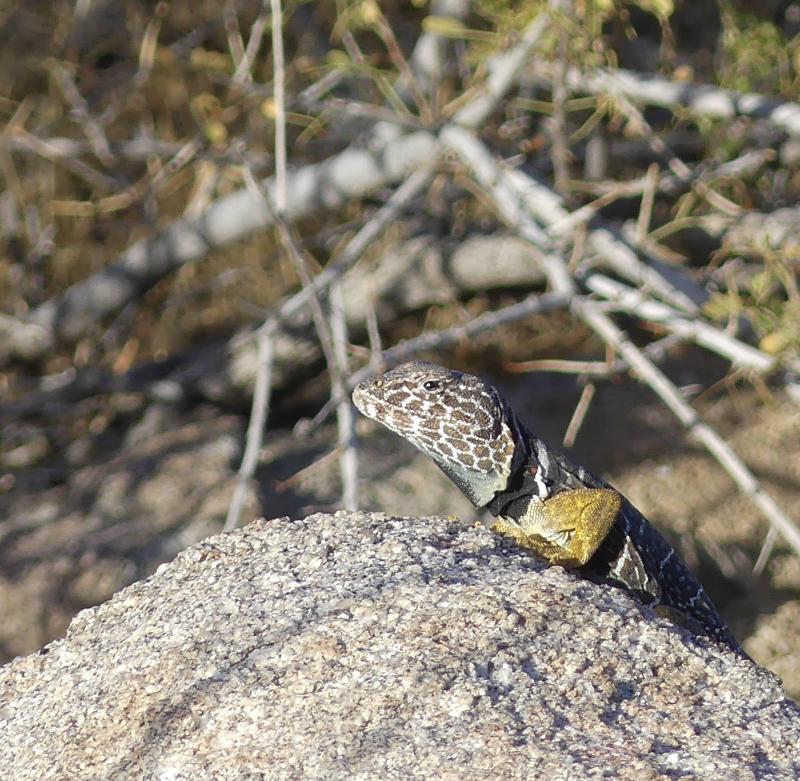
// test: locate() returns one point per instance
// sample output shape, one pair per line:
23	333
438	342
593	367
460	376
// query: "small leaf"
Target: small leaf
216	132
721	306
206	59
443	26
760	285
774	343
269	109
368	13
336	58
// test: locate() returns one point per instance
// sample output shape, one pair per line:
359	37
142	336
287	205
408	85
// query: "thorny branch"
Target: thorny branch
496	181
402	148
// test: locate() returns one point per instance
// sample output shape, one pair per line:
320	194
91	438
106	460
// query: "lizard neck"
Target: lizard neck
527	477
479	488
511	443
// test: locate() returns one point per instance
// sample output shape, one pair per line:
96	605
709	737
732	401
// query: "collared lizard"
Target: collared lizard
541	500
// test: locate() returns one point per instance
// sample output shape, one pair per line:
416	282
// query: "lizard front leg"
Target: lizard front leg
567	528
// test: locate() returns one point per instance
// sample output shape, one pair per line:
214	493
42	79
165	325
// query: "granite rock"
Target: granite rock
363	646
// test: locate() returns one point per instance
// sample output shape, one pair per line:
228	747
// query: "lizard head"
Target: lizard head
454	418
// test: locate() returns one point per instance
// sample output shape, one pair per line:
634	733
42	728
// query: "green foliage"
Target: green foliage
755	56
769	299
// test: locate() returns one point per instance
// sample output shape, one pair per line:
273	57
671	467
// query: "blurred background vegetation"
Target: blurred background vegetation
159	79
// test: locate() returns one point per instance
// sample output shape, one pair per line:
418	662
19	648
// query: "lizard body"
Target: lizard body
541	500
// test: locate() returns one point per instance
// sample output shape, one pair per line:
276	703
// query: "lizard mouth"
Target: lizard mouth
381	409
364	397
367	402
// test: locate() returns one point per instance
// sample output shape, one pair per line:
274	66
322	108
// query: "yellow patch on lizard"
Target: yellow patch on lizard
565	529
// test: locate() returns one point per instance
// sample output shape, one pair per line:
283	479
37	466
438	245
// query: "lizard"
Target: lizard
540	499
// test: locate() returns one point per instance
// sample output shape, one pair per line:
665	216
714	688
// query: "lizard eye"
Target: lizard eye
430	385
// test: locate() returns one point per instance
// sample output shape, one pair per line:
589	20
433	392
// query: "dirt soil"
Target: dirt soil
72	546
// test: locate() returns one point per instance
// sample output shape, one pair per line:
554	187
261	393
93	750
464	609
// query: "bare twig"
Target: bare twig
523	200
280	107
676	165
503	72
255	428
348	455
358	245
560	148
373	334
149	45
243	69
408	79
94	133
609	245
634	302
62	150
386	88
437	340
485	170
745	165
656	351
234	35
22	139
263	384
333	107
766	551
704	100
319	89
644	369
591	368
579	415
325	334
646	208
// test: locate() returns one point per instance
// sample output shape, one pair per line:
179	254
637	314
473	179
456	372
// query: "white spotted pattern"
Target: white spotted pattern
454	418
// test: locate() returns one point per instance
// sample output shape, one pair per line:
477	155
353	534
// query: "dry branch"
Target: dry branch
748	164
348	457
255	428
632	301
612	248
704	100
410	276
329	185
263	384
497	183
525	203
447	337
644	370
349	175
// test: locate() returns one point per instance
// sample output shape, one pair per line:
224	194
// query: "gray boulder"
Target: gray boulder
363	646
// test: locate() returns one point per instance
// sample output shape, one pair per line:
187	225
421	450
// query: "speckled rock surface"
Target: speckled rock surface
361	646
